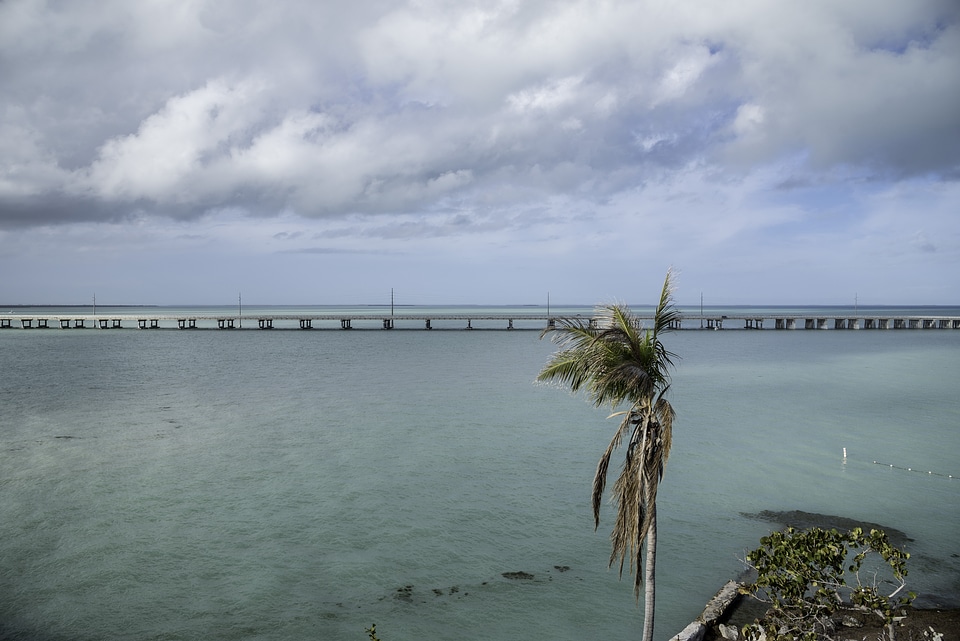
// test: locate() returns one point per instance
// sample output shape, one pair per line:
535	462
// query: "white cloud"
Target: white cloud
545	97
161	159
749	119
679	78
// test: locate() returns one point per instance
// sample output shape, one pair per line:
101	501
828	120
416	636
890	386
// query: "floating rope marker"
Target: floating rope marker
910	469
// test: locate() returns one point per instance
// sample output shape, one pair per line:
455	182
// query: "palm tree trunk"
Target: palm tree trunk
649	589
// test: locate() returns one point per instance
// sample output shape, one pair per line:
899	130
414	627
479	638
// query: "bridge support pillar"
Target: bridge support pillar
469	326
821	323
510	324
869	323
306	323
4	323
26	323
141	323
388	323
853	323
345	323
78	323
427	324
265	323
64	323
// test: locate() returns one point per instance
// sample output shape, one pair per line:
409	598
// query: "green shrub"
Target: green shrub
803	575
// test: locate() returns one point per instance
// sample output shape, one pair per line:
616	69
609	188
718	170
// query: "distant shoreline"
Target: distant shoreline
86	306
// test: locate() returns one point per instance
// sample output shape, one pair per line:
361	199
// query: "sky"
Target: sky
459	152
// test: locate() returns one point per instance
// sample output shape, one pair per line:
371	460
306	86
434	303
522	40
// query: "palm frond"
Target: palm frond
629	496
667	313
664	414
600	477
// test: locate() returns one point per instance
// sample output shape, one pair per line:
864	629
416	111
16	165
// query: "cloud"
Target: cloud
172	147
181	111
477	129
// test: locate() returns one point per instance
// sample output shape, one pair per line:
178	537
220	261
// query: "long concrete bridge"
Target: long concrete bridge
453	321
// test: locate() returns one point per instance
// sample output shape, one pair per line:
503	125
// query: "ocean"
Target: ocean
292	484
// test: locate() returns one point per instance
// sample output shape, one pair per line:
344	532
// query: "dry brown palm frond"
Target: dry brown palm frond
630	512
628	491
664	414
600	477
635	493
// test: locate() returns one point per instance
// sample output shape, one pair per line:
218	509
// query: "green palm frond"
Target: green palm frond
667	313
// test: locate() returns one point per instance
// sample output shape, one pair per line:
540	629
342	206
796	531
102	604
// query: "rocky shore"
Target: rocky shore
728	611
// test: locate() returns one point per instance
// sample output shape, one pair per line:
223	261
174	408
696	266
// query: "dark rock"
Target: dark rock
518	576
805	520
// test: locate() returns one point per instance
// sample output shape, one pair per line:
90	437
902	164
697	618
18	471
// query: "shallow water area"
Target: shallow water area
302	485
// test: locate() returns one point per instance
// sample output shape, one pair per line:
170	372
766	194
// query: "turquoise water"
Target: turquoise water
303	485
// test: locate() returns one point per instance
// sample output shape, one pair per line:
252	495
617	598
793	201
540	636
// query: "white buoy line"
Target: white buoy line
906	469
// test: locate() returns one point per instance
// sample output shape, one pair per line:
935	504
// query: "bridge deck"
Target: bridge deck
463	321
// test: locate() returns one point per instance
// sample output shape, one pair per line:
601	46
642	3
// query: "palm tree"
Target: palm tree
616	361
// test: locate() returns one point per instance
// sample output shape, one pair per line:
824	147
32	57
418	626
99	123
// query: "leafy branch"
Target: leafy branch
803	575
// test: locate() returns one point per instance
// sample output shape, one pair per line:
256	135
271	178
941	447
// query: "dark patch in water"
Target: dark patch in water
518	576
410	594
805	520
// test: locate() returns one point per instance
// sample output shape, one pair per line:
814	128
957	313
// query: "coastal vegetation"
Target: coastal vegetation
615	361
803	576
